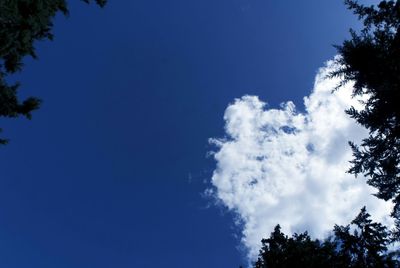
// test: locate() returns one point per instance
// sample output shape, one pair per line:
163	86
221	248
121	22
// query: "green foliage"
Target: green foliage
22	23
371	59
364	246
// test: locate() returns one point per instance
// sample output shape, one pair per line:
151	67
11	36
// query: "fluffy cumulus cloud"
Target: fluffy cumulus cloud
282	166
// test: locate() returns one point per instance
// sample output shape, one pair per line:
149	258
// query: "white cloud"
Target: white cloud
282	166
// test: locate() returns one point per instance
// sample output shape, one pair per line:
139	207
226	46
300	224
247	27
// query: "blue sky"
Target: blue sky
112	169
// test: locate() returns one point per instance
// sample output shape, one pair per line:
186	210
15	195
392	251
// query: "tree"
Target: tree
279	251
22	22
365	246
371	59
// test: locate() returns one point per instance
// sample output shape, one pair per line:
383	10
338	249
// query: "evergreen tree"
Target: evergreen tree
300	250
22	22
371	59
365	246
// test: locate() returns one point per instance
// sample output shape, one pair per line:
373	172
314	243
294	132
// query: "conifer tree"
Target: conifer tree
22	23
371	59
363	243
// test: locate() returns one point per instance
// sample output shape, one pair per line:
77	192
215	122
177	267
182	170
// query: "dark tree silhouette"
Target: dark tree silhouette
22	22
365	246
371	59
280	251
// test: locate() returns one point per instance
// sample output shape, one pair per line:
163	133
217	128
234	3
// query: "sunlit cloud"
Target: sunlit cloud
282	166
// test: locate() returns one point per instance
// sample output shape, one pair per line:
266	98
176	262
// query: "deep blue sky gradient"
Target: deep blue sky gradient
111	170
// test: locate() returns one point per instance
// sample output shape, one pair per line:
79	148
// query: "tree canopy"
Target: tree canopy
363	243
22	23
371	59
